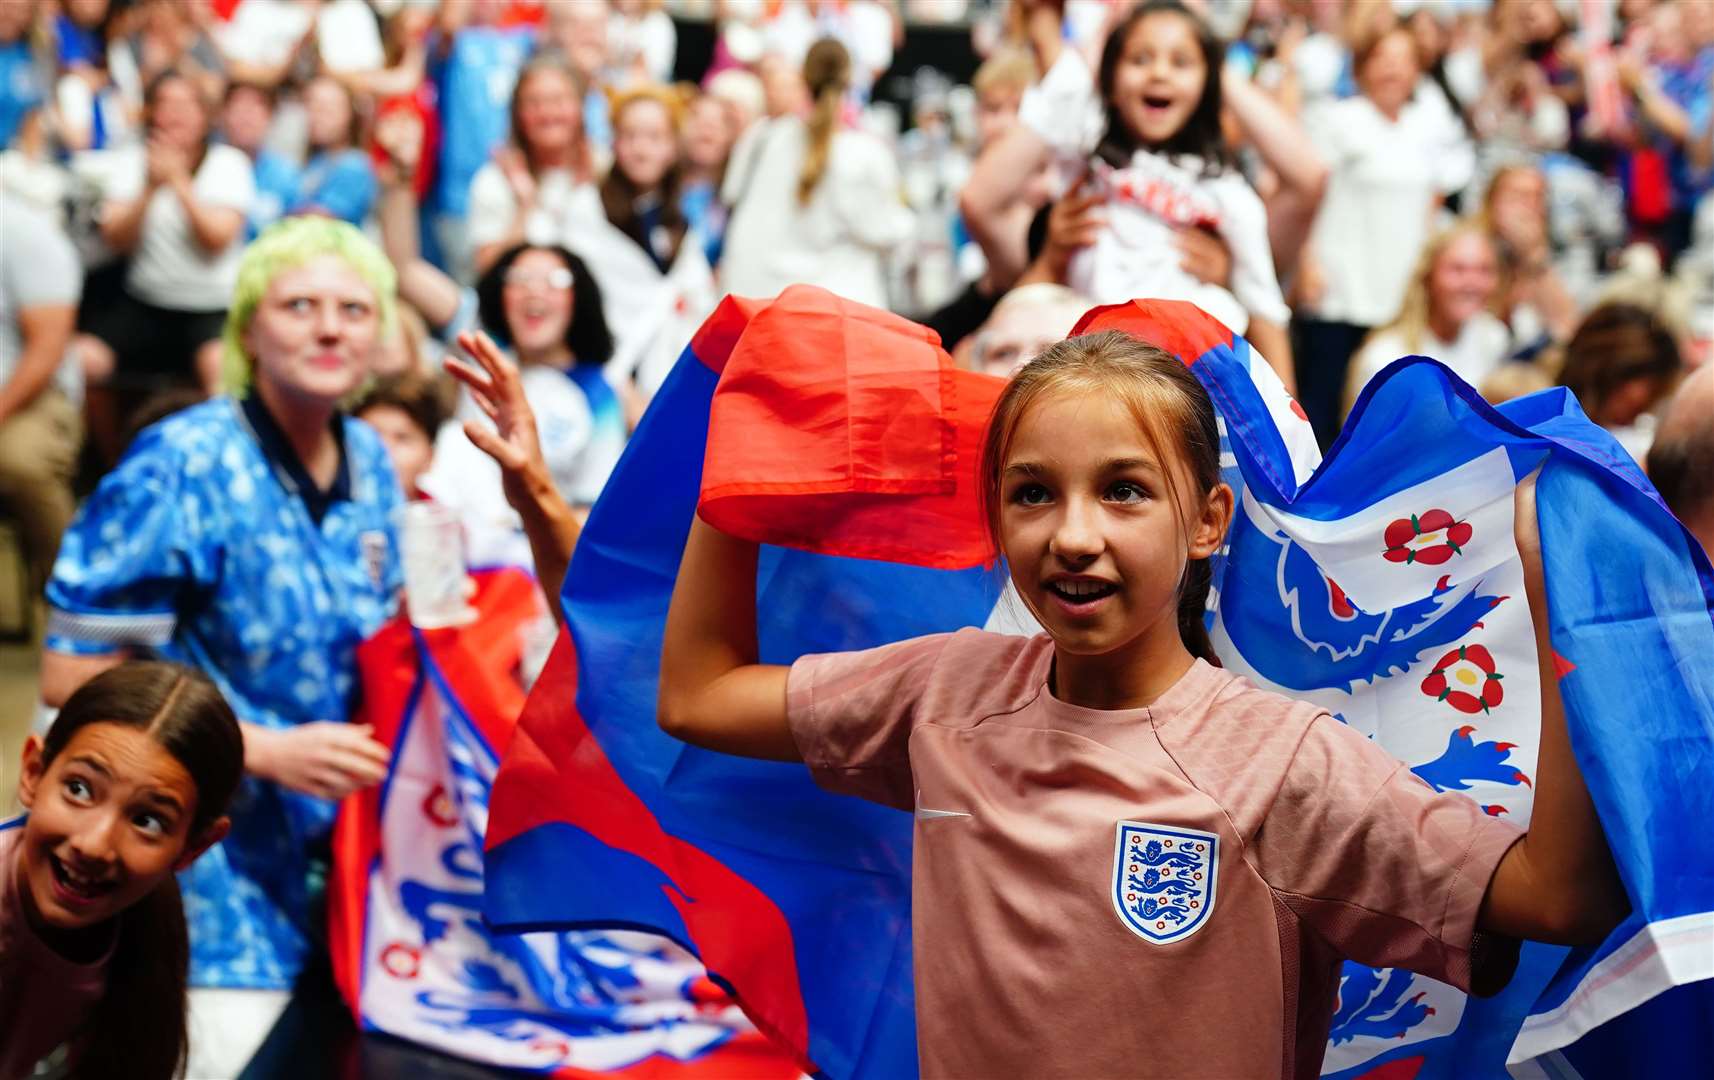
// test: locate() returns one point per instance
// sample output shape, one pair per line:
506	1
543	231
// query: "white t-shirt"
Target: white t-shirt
348	38
839	240
563	207
170	269
467	480
263	32
1148	200
38	268
1374	219
1479	349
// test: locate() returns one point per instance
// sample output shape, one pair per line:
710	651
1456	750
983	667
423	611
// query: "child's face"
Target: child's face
537	298
410	447
1088	527
1159	78
1463	279
110	818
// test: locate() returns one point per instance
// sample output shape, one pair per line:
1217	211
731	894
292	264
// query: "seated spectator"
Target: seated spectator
336	180
407	411
129	786
1445	314
252	539
812	203
1681	459
39	427
1621	363
178	212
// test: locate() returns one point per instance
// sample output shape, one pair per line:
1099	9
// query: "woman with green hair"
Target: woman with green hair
249	536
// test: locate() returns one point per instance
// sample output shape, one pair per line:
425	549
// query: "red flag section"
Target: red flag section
852	424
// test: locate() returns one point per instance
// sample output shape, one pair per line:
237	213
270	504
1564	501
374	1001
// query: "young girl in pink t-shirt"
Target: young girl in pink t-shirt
1128	861
128	787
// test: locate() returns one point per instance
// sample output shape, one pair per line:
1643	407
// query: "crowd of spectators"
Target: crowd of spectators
1519	189
1458	179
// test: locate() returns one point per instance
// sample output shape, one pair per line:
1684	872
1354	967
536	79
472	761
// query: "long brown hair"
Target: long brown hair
827	72
138	1027
1172	409
619	194
583	157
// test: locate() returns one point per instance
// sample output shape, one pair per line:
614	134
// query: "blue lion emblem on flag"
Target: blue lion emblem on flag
1163	879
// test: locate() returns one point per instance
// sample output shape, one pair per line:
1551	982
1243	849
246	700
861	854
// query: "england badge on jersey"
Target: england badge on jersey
1163	879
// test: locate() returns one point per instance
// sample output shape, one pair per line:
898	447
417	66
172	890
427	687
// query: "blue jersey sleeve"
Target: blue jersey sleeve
134	557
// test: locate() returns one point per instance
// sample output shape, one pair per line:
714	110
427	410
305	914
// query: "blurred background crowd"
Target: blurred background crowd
1519	189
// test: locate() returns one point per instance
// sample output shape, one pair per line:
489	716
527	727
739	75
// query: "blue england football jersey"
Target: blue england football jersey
200	548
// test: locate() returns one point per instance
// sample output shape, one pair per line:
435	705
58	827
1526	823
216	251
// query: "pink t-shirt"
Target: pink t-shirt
44	998
1164	891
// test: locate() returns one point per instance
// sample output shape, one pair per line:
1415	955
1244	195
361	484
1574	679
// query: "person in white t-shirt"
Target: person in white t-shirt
811	203
1385	185
1146	127
177	210
1445	314
541	187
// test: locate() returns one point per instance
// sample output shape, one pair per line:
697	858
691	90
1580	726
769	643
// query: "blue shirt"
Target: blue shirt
20	88
339	183
276	187
199	547
475	101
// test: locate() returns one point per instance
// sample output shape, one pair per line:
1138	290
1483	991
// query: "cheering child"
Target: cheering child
129	786
1117	843
1145	131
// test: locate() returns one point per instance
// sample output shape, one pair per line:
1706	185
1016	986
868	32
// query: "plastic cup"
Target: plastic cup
431	543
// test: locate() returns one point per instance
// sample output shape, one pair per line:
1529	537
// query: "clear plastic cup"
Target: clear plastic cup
431	543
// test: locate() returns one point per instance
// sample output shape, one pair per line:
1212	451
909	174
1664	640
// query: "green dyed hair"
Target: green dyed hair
283	246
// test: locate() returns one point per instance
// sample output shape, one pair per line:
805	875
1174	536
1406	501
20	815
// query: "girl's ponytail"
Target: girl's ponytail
827	72
1192	601
138	1029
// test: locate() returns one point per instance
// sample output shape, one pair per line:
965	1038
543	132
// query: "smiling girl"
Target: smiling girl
129	786
1146	127
1270	838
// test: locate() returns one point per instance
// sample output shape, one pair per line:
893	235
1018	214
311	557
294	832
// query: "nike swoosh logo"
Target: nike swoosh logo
925	814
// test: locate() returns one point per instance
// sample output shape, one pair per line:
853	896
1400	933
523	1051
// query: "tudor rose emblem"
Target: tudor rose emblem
1163	879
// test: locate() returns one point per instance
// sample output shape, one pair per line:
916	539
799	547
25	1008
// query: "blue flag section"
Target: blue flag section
1382	583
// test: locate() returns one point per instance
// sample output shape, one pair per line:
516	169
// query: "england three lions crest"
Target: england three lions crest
1163	880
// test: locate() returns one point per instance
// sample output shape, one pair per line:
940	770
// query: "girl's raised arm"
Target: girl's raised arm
1558	883
713	693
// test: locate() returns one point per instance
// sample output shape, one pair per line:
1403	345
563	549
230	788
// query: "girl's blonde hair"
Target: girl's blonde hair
1172	410
1411	323
283	246
827	72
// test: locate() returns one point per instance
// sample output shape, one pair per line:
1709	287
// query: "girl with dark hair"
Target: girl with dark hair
813	203
1145	128
1088	798
542	303
129	786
